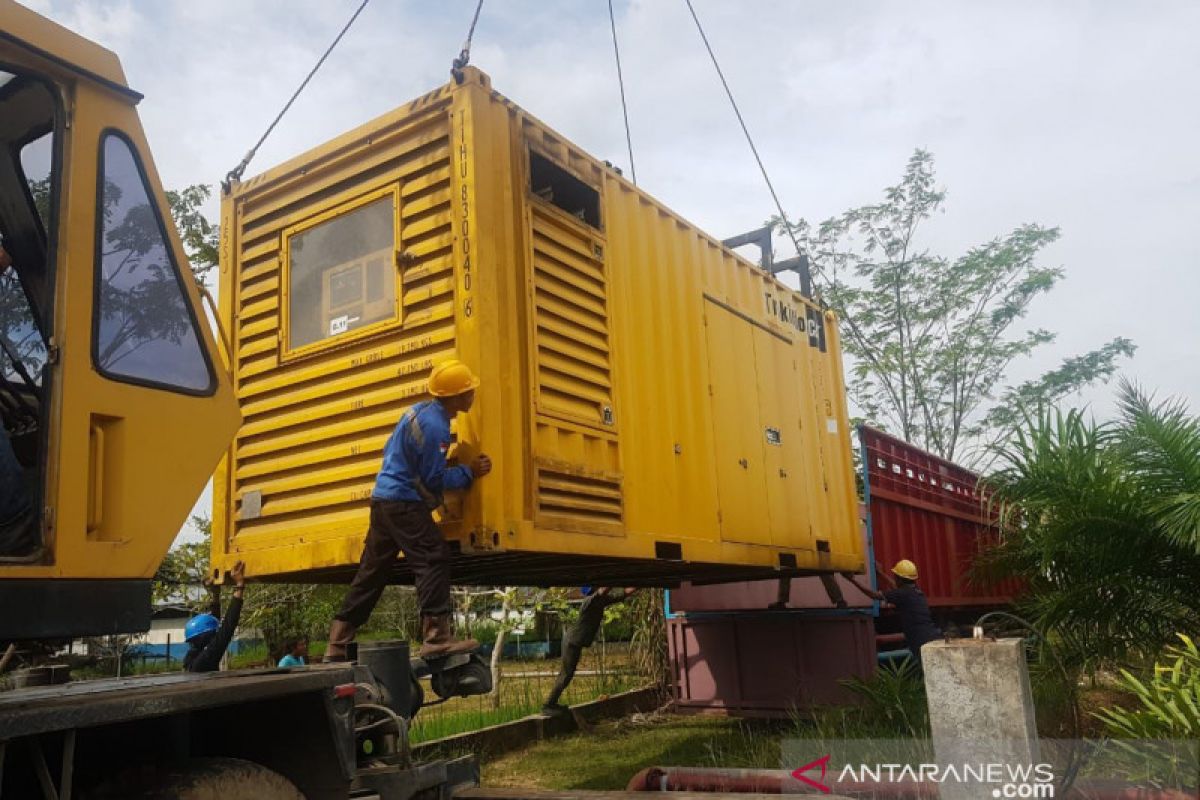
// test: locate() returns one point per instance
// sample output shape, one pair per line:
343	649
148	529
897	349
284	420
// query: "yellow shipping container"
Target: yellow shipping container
656	406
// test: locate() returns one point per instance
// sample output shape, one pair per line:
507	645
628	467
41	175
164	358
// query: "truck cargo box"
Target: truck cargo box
657	407
930	511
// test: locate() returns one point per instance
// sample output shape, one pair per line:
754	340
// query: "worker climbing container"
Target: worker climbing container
656	407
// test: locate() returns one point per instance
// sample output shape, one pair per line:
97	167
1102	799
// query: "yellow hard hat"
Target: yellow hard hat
905	569
451	378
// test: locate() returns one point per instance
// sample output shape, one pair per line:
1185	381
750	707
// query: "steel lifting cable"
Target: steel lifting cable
778	205
235	174
621	83
464	55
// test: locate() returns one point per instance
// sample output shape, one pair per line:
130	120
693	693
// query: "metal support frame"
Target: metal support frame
799	265
43	771
68	765
761	238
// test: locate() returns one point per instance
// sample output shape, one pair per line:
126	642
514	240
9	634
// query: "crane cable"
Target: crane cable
464	55
621	83
235	174
778	205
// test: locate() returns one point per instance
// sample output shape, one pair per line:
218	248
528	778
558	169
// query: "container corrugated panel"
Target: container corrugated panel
657	408
769	665
930	511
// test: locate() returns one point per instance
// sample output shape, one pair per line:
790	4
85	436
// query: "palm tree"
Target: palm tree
1102	520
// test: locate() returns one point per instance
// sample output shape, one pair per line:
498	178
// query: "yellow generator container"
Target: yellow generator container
656	407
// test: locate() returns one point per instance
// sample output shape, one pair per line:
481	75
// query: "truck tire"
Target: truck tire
202	779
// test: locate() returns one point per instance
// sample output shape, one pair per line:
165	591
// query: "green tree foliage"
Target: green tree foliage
279	611
201	238
1154	741
1101	521
182	577
932	338
1168	700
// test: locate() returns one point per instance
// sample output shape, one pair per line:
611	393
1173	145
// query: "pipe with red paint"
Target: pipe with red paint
765	781
778	781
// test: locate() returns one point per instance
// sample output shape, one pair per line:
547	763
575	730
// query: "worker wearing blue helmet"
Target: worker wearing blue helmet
207	637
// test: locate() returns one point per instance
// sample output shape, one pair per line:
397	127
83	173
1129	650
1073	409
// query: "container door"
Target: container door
739	450
783	448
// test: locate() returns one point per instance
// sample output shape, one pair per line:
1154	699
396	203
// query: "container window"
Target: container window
145	330
558	187
340	273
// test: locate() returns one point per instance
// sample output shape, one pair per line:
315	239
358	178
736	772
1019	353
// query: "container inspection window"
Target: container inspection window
341	273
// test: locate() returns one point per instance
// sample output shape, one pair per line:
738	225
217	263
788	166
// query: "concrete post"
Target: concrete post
980	708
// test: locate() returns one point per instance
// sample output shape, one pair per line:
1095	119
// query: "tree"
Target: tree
201	238
182	577
1102	522
508	597
930	338
281	610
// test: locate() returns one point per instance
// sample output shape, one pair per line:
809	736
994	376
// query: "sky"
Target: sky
1082	115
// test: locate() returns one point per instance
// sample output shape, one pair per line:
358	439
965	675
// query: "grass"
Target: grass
524	686
525	683
604	758
608	755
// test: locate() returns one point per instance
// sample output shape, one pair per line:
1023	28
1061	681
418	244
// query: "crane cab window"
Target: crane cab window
341	273
145	331
28	197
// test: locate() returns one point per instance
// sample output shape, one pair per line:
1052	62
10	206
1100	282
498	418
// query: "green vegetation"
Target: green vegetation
1168	700
609	754
892	706
930	339
522	694
1102	521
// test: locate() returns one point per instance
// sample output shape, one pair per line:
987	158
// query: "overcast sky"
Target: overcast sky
1082	115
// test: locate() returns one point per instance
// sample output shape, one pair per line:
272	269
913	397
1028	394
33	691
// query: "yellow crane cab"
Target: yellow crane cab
114	399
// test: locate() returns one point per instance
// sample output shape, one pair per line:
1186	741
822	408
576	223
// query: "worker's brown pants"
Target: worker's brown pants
400	527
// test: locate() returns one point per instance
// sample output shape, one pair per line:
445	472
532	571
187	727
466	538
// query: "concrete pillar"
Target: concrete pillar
980	708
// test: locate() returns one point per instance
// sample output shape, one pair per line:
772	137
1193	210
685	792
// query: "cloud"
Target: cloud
1077	114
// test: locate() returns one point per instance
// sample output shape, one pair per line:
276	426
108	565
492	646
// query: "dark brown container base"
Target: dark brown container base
768	664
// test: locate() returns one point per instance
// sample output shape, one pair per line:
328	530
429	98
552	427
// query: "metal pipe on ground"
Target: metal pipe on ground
764	781
778	781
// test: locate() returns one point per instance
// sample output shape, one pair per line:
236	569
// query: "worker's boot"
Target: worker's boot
438	642
341	634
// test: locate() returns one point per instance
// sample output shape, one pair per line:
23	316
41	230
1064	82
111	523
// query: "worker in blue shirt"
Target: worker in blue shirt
408	489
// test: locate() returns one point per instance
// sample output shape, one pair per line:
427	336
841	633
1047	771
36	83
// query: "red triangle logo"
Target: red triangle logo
823	763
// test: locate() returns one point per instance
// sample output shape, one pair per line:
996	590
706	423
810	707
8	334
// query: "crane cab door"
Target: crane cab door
116	405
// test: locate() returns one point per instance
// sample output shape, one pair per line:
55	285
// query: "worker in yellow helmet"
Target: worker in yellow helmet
909	601
407	490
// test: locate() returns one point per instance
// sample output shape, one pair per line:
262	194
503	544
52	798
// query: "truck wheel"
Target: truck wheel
202	779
